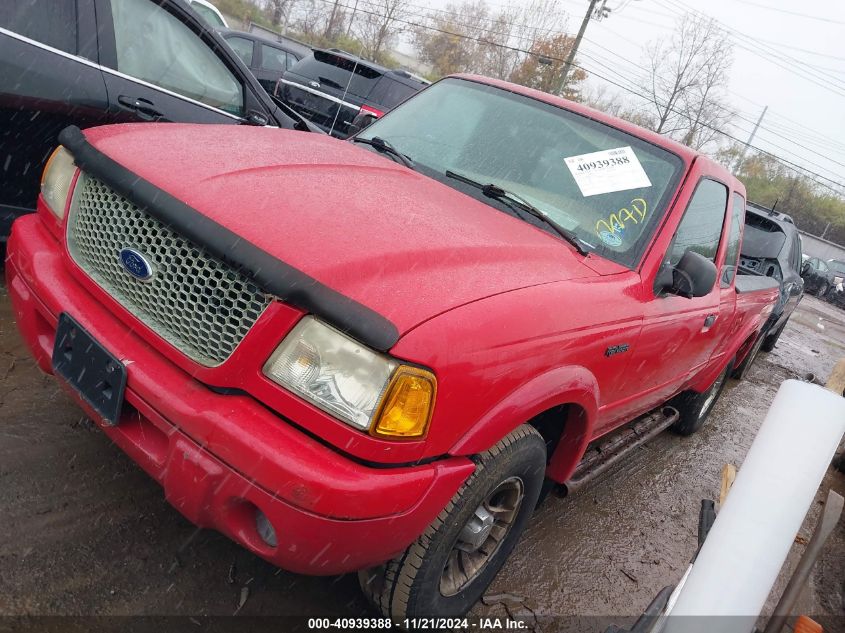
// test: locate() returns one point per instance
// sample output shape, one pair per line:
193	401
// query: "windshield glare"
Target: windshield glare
606	186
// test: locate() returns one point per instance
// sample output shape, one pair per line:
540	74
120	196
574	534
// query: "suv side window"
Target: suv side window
796	253
154	46
734	234
701	226
243	48
273	59
51	22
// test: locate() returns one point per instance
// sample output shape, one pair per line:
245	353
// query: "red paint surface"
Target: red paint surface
512	321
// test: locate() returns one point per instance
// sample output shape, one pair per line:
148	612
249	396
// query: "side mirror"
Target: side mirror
805	268
693	276
254	117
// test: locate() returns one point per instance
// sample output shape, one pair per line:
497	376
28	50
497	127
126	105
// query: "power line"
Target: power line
796	13
768	127
600	62
768	53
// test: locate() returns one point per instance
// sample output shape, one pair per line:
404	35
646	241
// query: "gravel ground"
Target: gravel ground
86	532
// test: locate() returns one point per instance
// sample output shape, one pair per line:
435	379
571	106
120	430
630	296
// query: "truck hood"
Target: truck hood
398	242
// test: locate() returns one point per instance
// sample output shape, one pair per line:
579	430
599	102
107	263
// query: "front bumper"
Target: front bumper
221	457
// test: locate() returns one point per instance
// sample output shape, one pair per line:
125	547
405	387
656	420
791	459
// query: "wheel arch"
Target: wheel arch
561	404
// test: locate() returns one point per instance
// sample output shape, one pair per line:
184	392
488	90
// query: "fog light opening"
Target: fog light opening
265	528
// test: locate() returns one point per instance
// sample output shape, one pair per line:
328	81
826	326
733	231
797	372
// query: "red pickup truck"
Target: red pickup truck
375	354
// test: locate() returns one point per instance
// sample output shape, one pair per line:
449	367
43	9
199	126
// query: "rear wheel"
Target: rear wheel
744	367
823	289
447	569
695	408
771	340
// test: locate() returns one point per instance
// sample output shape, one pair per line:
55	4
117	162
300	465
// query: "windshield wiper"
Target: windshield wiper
492	190
386	148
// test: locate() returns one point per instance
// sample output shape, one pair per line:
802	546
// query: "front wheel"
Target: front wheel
695	408
447	569
823	290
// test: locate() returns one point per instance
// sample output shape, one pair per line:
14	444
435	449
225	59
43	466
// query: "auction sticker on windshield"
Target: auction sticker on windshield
607	171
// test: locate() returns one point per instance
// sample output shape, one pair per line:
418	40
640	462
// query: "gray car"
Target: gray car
771	247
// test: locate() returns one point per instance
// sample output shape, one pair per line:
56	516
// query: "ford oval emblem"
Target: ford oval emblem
136	264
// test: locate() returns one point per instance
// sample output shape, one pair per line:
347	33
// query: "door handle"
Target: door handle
143	107
710	320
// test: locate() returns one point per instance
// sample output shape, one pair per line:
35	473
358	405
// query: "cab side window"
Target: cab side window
50	22
701	226
734	235
155	47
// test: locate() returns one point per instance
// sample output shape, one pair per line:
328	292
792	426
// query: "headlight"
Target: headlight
56	179
367	390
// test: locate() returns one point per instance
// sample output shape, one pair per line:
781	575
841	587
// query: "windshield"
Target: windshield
762	238
607	187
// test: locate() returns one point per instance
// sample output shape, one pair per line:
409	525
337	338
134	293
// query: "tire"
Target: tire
823	290
771	340
418	583
741	370
695	408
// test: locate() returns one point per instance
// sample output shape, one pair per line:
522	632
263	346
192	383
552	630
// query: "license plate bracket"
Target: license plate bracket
94	372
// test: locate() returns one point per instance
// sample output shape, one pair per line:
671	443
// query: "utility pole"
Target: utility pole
568	65
748	142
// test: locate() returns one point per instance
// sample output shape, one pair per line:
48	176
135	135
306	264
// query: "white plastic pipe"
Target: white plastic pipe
748	544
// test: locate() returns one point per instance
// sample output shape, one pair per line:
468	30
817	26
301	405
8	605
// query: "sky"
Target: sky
787	55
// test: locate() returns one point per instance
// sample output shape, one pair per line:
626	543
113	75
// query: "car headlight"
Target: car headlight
56	179
362	388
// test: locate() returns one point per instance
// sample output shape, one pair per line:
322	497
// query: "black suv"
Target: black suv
91	62
771	247
343	93
267	60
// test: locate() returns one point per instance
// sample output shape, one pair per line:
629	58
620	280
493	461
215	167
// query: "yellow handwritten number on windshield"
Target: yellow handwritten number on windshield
617	221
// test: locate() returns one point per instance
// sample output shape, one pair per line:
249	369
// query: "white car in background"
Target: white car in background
209	13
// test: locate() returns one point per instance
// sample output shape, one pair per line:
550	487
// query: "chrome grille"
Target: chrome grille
194	301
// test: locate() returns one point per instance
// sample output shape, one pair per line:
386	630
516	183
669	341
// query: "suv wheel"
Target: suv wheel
772	339
447	569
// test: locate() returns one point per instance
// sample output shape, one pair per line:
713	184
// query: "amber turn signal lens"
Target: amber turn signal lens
406	408
807	625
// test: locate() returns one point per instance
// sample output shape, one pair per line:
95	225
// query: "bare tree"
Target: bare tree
280	11
601	98
449	41
544	68
379	24
471	37
688	75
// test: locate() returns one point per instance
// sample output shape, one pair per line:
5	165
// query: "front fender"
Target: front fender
570	385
